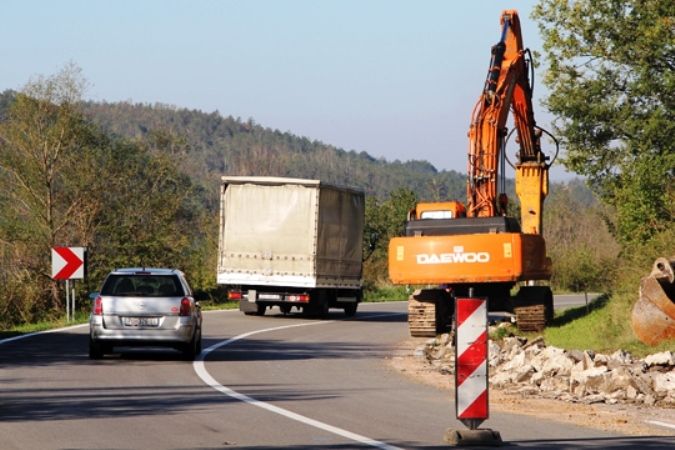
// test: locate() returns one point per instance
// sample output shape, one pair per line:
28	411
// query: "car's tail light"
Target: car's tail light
98	306
234	295
185	307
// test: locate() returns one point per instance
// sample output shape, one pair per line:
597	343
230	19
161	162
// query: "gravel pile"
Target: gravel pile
534	368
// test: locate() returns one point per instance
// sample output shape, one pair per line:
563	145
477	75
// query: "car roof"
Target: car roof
145	271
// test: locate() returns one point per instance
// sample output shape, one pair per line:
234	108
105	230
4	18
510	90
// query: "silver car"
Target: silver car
140	306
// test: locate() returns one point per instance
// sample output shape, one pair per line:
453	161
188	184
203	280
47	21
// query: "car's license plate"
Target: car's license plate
141	321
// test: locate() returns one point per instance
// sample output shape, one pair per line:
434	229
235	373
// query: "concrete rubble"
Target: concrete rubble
534	368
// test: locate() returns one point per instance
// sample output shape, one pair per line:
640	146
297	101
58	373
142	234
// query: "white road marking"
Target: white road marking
56	330
201	371
661	424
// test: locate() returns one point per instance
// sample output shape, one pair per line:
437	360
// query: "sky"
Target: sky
397	79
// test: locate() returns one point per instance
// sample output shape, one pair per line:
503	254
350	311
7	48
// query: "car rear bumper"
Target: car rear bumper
181	334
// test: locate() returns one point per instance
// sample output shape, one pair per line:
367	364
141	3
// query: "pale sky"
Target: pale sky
397	79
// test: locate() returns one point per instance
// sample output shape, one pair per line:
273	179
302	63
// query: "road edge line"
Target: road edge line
661	424
200	370
37	333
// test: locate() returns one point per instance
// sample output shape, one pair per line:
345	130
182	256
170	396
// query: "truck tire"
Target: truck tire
324	308
350	309
320	305
259	311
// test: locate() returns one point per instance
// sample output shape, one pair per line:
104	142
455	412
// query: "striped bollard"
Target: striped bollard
471	377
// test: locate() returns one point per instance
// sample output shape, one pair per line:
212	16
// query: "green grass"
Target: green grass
208	305
604	327
385	293
80	317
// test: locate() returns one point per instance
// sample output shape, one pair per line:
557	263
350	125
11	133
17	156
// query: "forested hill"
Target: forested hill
210	145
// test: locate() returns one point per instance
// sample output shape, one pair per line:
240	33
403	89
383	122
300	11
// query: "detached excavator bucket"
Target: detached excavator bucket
653	317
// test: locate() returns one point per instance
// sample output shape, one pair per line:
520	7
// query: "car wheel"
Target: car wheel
95	349
193	348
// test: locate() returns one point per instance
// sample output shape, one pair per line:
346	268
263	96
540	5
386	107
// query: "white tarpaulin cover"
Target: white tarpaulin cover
289	232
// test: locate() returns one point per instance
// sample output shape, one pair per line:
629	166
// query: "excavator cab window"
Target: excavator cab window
437	215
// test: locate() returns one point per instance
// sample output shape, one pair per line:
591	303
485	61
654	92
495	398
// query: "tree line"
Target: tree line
71	176
138	184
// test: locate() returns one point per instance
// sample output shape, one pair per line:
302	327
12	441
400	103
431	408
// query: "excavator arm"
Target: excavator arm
476	250
507	88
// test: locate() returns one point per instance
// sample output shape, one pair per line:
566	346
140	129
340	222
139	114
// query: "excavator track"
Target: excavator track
530	318
421	318
533	307
429	312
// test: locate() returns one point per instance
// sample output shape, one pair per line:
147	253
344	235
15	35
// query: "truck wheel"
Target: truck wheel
350	309
324	308
259	311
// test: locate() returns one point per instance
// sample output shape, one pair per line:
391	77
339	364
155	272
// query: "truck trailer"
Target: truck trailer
290	242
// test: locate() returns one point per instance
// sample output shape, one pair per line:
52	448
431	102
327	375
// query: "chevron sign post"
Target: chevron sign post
68	264
471	378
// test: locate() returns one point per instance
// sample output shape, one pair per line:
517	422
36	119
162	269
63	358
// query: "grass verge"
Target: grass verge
603	327
384	293
80	317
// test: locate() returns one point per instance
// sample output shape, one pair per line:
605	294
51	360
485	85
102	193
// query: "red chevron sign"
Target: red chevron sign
471	378
67	263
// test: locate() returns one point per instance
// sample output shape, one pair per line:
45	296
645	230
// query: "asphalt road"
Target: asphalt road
563	301
265	382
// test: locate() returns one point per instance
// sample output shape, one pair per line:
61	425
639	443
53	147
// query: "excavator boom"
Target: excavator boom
507	88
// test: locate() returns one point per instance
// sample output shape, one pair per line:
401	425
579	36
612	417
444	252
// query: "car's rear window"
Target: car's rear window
133	285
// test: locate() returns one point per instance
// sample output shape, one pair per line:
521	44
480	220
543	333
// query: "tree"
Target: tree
611	77
63	181
384	220
44	143
578	240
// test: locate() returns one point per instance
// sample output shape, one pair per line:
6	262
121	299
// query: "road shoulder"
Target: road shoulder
624	419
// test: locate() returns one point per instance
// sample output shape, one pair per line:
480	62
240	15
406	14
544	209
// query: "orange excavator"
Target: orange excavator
477	250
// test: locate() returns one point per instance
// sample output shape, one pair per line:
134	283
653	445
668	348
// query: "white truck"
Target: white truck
290	242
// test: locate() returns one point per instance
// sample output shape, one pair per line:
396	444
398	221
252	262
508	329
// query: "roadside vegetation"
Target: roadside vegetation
138	184
612	88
